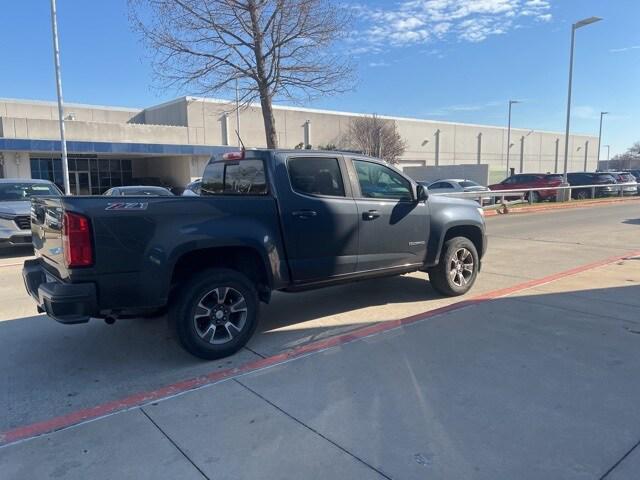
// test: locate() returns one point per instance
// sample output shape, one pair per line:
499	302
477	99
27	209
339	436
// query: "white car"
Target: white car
459	185
15	208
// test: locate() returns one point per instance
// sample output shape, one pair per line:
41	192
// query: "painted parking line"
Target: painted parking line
163	393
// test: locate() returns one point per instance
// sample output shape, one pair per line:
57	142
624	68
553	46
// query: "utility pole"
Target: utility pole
56	61
602	114
511	102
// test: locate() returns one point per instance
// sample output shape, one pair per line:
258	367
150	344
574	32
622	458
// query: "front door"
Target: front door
319	217
394	228
80	183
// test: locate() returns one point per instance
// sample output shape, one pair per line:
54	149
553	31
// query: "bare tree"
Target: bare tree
273	48
377	137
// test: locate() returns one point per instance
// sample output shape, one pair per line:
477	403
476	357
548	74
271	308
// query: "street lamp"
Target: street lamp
511	102
608	151
574	27
602	114
56	61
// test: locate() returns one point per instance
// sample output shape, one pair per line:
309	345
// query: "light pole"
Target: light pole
56	61
574	27
608	151
602	114
511	102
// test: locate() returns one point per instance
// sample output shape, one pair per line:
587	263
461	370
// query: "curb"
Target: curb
140	399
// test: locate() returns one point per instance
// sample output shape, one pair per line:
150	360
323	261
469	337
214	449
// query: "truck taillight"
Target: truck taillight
76	239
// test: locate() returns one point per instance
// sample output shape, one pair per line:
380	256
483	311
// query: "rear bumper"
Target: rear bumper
64	302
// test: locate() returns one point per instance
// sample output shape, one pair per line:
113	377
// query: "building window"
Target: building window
104	173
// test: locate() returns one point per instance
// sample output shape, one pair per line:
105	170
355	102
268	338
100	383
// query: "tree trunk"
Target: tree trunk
269	119
263	85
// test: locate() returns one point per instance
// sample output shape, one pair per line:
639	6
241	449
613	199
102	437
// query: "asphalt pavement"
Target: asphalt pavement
77	367
538	384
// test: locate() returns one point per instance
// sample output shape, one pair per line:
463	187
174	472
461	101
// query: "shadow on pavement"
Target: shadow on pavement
527	386
17	253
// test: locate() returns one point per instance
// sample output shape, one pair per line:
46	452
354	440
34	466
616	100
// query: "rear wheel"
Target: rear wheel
215	313
582	195
457	269
533	197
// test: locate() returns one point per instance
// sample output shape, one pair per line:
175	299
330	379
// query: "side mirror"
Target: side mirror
421	193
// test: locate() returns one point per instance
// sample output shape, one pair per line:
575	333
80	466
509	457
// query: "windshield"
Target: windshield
23	191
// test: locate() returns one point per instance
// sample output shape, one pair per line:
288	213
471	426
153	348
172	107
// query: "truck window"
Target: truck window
316	176
378	181
244	177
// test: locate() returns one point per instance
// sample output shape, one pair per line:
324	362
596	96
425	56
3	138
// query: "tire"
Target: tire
582	195
535	197
442	277
215	313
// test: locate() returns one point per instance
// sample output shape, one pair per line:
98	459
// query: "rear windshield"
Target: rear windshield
23	191
554	177
469	183
162	192
243	177
604	177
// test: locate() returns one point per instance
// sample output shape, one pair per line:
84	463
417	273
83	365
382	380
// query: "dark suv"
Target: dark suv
586	178
522	181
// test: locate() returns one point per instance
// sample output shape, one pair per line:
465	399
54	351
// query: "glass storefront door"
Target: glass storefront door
80	183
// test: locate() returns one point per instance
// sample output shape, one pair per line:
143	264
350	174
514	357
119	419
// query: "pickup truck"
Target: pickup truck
266	220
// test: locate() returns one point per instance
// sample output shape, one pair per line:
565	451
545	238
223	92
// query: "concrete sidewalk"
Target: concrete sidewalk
540	384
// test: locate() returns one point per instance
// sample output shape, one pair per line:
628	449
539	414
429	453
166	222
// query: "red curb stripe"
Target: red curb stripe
562	206
143	398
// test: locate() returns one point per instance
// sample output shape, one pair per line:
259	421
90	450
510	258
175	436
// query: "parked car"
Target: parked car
586	178
266	220
138	191
193	189
524	181
452	185
15	208
626	177
156	182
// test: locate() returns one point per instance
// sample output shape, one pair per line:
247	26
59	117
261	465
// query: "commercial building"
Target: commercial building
111	146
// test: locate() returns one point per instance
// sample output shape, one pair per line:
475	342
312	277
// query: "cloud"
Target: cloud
379	64
474	107
412	22
585	112
625	49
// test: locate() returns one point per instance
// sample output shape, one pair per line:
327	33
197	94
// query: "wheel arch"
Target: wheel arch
245	259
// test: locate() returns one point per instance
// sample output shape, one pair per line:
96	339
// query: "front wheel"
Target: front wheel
457	269
215	313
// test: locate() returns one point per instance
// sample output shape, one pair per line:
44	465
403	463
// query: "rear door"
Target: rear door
319	217
393	226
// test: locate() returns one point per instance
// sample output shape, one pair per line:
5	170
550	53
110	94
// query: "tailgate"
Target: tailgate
46	229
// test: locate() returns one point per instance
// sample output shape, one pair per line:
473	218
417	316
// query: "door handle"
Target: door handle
370	215
304	213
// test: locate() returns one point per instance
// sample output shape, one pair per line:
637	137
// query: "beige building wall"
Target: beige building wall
209	122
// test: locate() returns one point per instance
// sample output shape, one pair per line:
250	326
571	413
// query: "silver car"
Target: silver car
15	208
459	185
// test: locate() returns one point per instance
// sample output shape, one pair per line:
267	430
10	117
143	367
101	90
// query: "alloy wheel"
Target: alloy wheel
220	315
461	267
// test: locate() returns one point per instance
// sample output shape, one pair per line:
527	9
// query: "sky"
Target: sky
451	60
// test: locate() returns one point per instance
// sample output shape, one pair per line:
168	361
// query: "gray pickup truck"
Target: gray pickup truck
266	220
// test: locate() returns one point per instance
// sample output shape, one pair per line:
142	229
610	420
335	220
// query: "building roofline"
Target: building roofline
386	117
49	103
288	108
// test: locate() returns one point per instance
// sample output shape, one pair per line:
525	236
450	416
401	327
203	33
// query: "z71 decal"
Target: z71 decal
127	206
